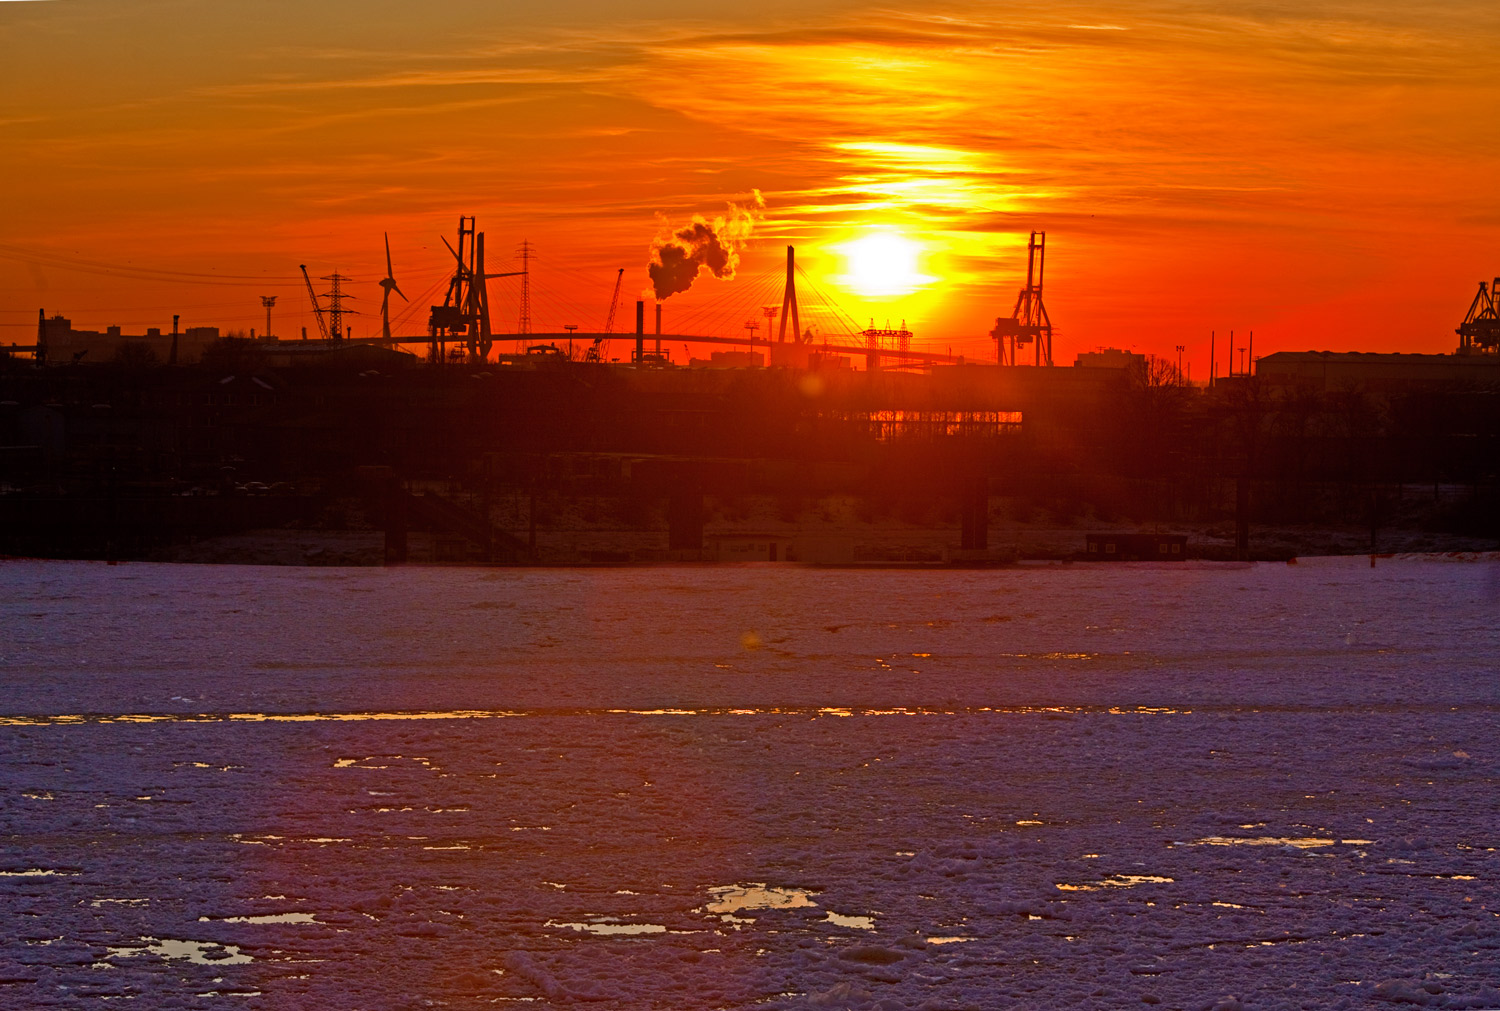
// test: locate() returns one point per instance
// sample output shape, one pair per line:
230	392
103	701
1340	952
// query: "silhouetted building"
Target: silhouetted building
1109	358
1377	373
729	360
65	344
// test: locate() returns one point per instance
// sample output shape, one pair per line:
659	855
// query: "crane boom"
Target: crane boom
317	309
593	353
609	323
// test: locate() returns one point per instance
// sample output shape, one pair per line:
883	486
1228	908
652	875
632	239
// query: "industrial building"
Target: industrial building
1332	371
63	343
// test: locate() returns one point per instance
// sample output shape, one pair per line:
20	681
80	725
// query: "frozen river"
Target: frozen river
1067	787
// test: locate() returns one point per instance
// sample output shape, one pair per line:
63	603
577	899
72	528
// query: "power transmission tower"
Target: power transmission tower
524	324
336	310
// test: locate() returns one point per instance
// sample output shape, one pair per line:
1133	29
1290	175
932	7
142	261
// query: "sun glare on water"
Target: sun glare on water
882	264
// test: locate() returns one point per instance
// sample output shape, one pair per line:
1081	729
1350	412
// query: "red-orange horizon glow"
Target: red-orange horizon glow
1322	176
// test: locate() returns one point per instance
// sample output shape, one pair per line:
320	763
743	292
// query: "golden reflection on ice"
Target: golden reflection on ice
757	895
1297	842
1117	881
604	926
36	872
197	952
496	714
262	918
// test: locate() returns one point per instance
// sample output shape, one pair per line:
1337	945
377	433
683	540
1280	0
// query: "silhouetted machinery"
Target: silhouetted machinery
1480	330
465	312
1028	322
595	351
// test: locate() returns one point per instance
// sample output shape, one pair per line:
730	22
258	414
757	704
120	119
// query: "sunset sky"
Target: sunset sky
1321	173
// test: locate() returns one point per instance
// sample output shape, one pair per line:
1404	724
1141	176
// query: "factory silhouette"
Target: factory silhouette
786	445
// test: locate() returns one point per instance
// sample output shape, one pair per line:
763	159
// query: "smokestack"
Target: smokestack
40	354
658	331
172	354
640	330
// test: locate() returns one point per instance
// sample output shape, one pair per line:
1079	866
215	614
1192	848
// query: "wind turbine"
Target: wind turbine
388	283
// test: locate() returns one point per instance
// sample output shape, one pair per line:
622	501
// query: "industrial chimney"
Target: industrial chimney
640	330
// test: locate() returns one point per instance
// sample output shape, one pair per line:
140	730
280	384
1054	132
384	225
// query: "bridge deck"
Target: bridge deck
925	357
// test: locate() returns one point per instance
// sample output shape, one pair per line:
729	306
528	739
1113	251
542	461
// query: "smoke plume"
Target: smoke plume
678	256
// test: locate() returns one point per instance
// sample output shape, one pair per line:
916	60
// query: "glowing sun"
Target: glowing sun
882	264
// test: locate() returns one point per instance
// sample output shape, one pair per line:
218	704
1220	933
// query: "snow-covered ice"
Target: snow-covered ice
1202	787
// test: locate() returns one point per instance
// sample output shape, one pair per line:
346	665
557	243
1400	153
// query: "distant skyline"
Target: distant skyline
1321	173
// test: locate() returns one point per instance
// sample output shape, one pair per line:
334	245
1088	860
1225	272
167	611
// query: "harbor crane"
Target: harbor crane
465	312
313	296
1480	330
1028	321
593	354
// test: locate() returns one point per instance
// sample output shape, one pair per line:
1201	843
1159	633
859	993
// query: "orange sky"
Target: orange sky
1321	173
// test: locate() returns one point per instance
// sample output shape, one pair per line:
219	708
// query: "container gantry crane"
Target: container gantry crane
1028	320
1480	330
